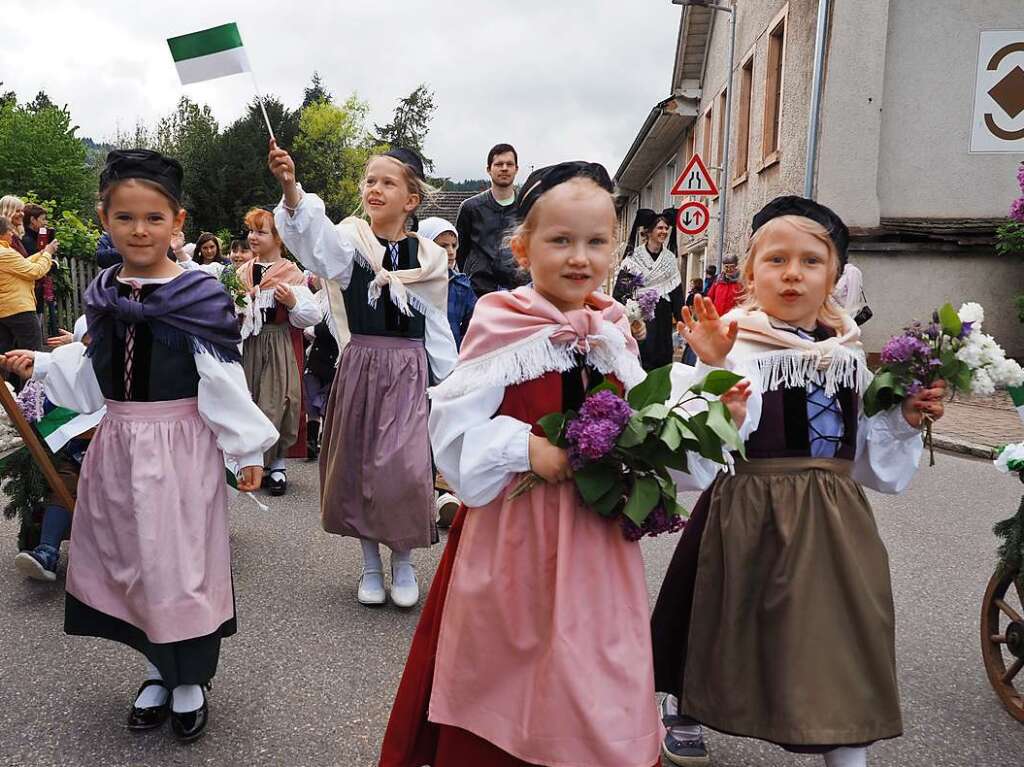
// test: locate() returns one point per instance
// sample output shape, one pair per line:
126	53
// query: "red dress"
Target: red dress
411	740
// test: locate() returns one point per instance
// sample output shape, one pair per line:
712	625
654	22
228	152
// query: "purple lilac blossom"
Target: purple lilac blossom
903	349
592	434
631	283
1017	210
1020	176
658	522
648	301
30	399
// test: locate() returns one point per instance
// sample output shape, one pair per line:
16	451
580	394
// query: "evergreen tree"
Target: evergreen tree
410	123
315	92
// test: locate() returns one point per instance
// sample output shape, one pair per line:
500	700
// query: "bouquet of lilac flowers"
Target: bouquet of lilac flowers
621	449
951	347
640	304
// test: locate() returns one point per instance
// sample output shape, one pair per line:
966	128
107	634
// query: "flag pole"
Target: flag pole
259	97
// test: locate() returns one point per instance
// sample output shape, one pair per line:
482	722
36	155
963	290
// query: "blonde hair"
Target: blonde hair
9	205
524	230
414	184
830	313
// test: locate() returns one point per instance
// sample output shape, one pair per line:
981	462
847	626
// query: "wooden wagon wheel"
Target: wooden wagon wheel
1002	640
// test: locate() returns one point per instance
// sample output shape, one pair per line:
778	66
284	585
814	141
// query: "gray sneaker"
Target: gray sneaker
688	751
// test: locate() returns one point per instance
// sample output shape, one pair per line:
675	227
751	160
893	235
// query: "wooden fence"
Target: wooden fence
71	307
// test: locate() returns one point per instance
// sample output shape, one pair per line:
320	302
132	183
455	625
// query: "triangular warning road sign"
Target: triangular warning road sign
695	179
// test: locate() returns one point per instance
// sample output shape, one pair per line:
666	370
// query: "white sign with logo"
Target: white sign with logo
999	93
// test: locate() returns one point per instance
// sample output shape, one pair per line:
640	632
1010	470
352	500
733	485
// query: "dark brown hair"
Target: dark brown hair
108	191
33	211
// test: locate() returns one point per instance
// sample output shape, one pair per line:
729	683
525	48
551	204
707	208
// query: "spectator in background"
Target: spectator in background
482	223
106	253
19	327
461	298
696	286
724	294
46	297
207	254
709	278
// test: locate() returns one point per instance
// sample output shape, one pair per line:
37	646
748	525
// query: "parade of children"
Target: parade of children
329	437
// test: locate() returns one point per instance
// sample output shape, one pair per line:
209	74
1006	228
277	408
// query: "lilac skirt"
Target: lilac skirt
149	545
376	480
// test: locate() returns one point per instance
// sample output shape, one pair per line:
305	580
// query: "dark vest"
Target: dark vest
158	373
385	319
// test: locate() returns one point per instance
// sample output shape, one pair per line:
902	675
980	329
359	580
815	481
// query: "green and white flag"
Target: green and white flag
209	54
1017	395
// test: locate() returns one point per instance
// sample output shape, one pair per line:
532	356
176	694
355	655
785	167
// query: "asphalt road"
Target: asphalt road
310	677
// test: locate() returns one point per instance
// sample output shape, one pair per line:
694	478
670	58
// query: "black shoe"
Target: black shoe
152	717
277	486
192	724
266	479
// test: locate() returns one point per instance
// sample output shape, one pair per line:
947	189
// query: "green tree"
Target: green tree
190	135
39	152
242	175
331	151
410	123
315	92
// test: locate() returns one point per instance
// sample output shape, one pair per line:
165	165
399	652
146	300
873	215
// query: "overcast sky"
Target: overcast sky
559	80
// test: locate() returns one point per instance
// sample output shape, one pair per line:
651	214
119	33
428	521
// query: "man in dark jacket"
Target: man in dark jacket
483	222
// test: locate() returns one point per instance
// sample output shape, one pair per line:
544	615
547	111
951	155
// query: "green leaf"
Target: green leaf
710	446
671	435
717	382
634	434
609	503
657	387
642	499
720	422
950	321
553	425
880	394
593	481
655	412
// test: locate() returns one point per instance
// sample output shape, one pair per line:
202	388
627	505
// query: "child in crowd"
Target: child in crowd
68	444
533	646
461	298
461	301
388	292
240	252
150	563
272	352
775	620
321	361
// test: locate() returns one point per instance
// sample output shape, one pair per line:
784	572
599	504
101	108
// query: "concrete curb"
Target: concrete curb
956	445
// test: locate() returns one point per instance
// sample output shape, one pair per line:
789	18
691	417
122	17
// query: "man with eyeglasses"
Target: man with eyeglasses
483	222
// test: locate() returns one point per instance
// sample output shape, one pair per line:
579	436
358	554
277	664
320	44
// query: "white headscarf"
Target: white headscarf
434	227
80	329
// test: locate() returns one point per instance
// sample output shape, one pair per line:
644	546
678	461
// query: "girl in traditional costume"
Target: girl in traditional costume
150	564
533	644
654	260
775	620
272	352
388	293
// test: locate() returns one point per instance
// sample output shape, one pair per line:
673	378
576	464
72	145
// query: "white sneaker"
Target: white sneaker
371	588
405	594
447	506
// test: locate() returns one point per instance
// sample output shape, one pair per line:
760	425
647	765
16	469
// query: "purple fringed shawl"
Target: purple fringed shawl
192	312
